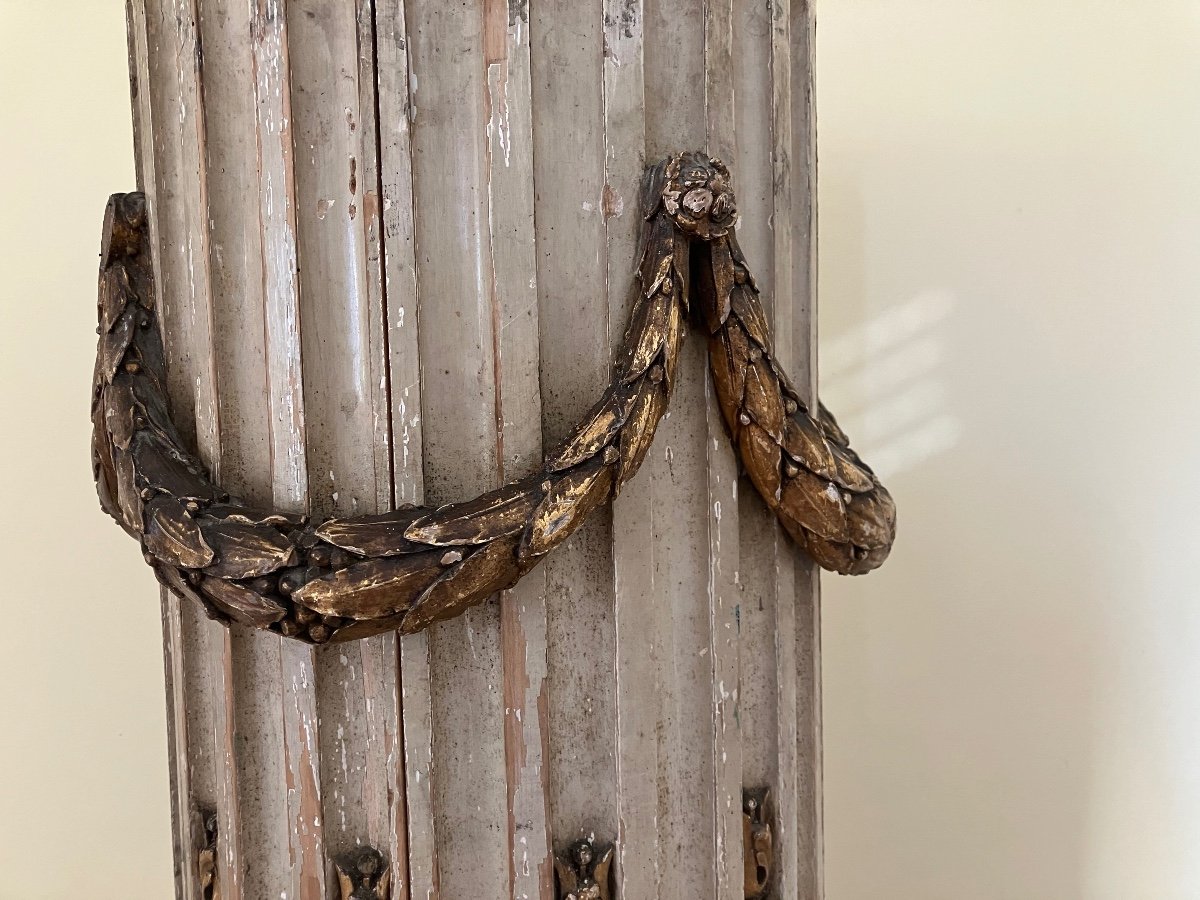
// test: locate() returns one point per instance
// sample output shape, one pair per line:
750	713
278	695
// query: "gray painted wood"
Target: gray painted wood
394	243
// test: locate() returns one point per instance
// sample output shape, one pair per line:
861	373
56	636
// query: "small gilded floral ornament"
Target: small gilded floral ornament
583	871
758	841
363	874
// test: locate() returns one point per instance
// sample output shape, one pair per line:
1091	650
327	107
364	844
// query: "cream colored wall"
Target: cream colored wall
1010	213
1010	314
84	804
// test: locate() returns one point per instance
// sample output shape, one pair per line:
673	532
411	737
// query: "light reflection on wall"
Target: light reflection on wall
880	379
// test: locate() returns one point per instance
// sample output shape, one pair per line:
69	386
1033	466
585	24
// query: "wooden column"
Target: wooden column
394	243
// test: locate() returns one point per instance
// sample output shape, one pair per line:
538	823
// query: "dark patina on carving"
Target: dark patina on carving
206	859
584	871
345	578
362	874
758	842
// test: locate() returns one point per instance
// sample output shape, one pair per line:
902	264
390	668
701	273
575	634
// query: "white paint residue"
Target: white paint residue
832	492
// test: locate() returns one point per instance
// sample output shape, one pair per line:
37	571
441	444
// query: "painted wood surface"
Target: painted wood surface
395	245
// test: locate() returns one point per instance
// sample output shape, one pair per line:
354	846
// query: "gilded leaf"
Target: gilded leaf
245	551
153	403
173	536
246	515
760	455
119	412
683	268
673	342
762	400
740	258
494	514
596	431
849	475
831	555
128	498
729	377
571	497
170	471
372	588
114	343
381	535
830	426
113	296
241	603
103	467
173	579
489	569
368	628
816	504
646	408
805	443
722	276
652	320
872	519
748	308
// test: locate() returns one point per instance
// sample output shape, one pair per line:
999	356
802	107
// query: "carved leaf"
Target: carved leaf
805	443
380	535
749	311
495	514
374	587
850	476
762	400
152	403
722	275
596	431
245	551
489	569
241	603
726	352
872	519
173	536
652	320
683	268
571	497
740	258
760	455
836	557
647	408
104	469
364	628
113	296
128	499
246	515
172	579
673	341
830	426
167	470
119	411
114	343
816	504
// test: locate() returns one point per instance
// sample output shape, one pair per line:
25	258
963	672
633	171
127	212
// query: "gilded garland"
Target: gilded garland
346	578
